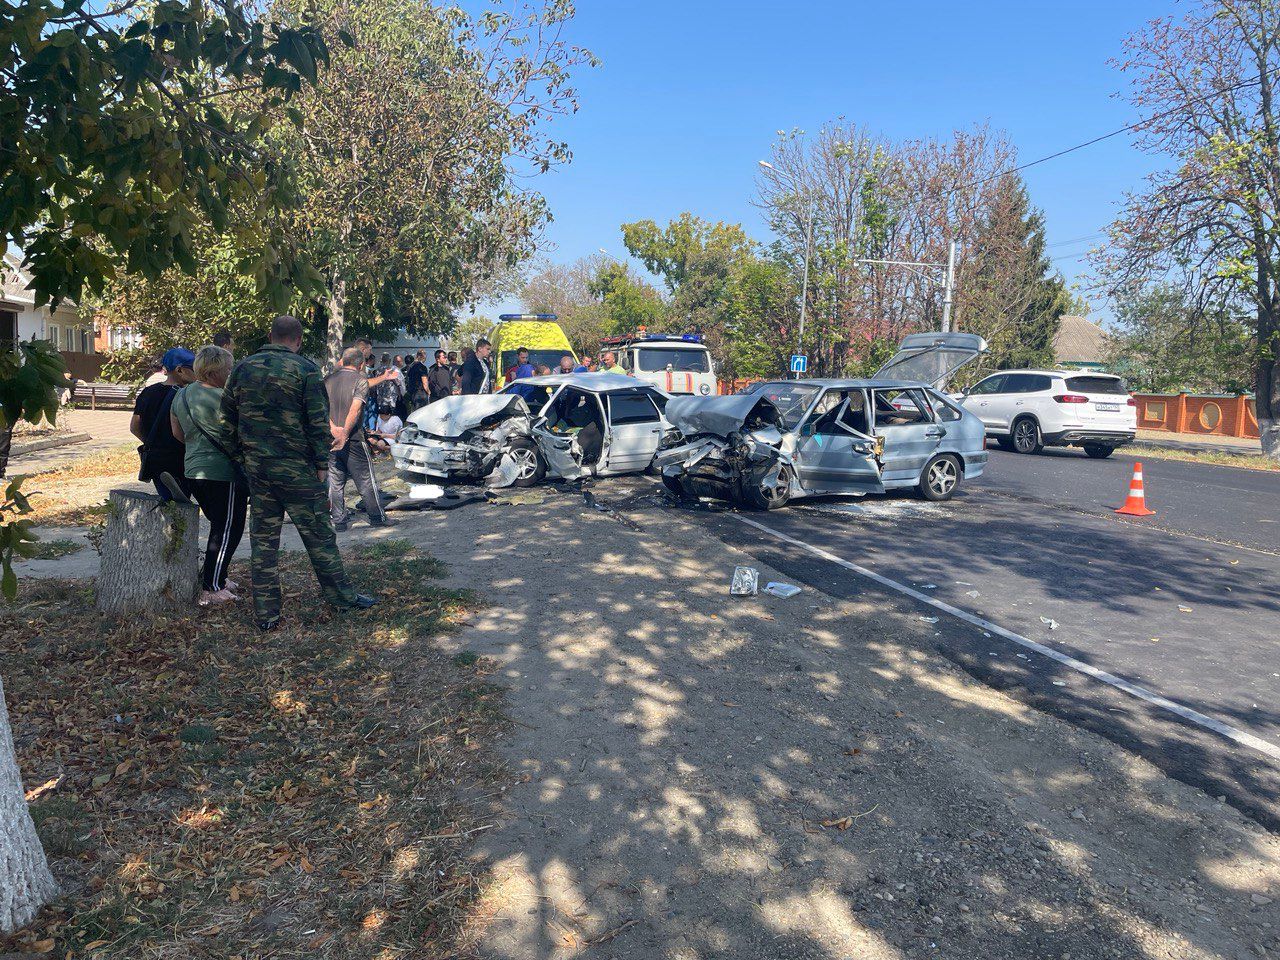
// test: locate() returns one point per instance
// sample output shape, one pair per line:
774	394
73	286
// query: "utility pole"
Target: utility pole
775	173
949	289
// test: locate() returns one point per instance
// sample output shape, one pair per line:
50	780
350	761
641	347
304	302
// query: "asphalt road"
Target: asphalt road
1185	604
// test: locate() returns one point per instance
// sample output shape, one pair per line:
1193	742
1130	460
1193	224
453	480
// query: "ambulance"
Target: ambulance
538	332
676	363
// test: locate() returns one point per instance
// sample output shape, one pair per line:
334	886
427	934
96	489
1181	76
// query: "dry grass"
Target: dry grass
235	794
76	494
1242	460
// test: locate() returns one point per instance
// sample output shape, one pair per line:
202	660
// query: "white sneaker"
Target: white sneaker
213	598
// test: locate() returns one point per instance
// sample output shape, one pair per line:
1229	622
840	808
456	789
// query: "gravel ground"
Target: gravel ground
683	764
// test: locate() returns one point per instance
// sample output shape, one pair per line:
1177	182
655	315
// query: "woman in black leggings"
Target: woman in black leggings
222	494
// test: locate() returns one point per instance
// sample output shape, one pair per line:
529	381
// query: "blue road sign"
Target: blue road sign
799	362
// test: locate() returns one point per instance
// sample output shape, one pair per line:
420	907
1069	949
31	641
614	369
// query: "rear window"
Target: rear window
655	359
1109	385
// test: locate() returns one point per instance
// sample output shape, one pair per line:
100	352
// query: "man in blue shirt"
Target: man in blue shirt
523	367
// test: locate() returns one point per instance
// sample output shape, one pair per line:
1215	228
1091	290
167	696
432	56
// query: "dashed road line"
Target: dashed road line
1234	734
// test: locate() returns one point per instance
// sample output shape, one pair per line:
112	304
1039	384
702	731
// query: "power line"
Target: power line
1107	136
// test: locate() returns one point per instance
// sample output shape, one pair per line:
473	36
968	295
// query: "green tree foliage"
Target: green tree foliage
127	129
1012	295
627	302
698	261
30	377
412	157
1165	344
761	317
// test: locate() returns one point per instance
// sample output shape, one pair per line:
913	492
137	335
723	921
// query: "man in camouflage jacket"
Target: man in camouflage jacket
277	428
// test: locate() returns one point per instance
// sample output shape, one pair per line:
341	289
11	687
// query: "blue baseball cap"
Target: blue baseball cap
176	357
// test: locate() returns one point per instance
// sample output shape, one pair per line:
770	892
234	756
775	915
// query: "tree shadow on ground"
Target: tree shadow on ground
684	766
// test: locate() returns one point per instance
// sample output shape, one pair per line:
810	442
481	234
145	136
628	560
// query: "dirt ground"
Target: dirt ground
694	775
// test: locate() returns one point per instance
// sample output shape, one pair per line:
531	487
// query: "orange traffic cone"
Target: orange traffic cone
1136	505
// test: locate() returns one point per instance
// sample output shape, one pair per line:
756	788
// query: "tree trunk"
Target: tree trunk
336	307
26	884
6	444
150	554
1267	404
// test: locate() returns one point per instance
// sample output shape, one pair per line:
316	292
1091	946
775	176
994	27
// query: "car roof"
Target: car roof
591	382
1060	373
856	384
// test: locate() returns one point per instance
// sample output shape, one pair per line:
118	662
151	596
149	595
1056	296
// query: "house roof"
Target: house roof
1079	340
14	280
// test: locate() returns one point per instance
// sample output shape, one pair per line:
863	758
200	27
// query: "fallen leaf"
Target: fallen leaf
844	823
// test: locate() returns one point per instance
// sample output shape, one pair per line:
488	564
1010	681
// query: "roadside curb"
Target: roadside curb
1194	447
48	443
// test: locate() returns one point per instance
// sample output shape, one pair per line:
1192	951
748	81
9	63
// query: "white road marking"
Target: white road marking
1134	690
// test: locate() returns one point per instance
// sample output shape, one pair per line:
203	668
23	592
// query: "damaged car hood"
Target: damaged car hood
721	416
451	417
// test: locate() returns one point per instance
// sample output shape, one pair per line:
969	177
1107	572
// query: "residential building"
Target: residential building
21	319
1080	344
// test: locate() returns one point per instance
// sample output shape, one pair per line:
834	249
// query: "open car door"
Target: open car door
932	357
570	433
834	452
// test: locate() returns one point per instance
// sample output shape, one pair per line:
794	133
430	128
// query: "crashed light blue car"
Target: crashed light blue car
788	439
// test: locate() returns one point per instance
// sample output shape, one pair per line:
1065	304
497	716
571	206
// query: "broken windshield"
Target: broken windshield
791	398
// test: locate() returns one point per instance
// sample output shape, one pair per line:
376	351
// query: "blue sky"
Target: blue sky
689	95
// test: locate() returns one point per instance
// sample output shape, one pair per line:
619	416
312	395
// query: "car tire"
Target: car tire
1025	435
676	486
528	460
1005	442
757	497
940	478
1099	451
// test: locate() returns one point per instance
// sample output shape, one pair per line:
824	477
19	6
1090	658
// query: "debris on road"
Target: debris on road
530	497
1050	623
505	474
929	619
783	590
746	582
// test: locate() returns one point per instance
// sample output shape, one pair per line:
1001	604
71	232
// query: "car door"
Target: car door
634	431
909	432
978	401
556	439
831	454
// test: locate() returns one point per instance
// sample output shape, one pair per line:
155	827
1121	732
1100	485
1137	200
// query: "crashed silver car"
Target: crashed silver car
788	439
562	426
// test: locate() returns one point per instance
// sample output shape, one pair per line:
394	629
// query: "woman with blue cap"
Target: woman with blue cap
162	452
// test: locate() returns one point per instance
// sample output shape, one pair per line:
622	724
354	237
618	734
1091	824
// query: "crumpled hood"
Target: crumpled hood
721	416
451	417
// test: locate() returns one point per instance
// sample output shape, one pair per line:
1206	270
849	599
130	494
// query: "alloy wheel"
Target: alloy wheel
1024	436
526	462
943	476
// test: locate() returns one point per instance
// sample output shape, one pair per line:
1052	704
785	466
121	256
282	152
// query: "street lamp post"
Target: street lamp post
808	242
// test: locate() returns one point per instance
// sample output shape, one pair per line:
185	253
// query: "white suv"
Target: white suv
1026	410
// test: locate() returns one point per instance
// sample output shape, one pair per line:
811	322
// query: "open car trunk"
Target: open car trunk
932	358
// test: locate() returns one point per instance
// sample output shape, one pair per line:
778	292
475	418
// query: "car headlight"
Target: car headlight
705	389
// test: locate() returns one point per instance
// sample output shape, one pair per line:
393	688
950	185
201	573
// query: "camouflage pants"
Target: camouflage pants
308	507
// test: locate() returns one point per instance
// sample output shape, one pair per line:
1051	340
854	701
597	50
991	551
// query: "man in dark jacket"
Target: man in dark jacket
440	378
277	427
477	375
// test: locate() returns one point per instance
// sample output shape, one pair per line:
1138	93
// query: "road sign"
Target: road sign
799	363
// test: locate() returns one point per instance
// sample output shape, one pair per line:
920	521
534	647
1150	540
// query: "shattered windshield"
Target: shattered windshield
791	398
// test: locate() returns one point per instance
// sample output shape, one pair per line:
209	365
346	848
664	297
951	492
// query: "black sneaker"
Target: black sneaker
341	525
363	602
266	626
384	522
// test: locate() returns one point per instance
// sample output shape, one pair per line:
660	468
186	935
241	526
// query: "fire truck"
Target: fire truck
678	363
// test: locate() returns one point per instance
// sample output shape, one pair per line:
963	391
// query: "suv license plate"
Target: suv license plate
1107	407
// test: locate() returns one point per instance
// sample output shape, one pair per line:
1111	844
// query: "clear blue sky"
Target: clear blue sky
689	95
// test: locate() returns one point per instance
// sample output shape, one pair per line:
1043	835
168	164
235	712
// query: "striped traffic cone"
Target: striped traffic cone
1136	504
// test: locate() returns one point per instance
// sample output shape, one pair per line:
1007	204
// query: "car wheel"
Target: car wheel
1005	442
940	478
759	497
1099	451
1026	436
530	467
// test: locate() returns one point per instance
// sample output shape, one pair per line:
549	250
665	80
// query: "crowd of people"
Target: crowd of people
274	431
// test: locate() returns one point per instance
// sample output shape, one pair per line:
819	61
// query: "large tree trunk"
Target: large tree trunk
150	554
1267	402
26	884
336	307
6	444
